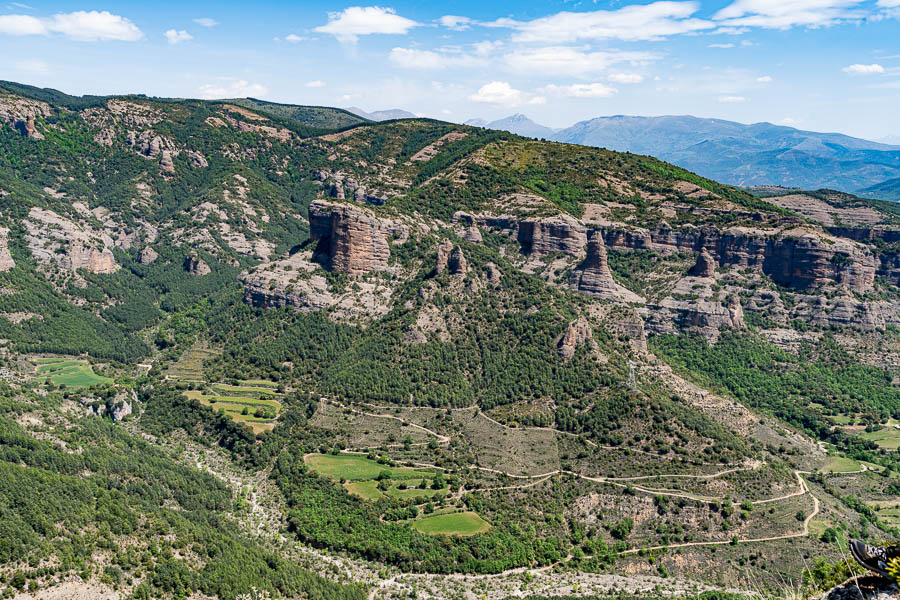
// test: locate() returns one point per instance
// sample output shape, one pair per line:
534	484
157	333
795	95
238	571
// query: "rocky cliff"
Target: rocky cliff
348	239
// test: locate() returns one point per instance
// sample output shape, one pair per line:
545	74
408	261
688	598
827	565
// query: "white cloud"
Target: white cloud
580	90
635	22
625	78
346	97
499	93
858	69
888	3
764	79
318	83
731	99
784	14
293	38
486	47
355	21
721	45
81	26
413	58
176	37
231	88
206	22
455	22
565	60
32	65
538	100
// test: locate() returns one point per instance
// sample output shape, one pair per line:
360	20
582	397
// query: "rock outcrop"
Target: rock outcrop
196	266
20	114
166	164
578	333
147	255
6	260
561	233
55	239
705	266
594	277
492	273
450	258
348	238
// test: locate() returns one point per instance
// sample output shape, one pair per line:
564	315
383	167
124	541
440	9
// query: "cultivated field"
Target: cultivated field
887	438
461	523
67	372
256	407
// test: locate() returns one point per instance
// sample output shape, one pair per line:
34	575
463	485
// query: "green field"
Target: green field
234	407
241	390
462	523
887	438
189	366
356	467
840	464
68	372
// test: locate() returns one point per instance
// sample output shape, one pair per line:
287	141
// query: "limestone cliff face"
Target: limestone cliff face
594	277
349	239
578	333
562	233
53	238
6	260
801	259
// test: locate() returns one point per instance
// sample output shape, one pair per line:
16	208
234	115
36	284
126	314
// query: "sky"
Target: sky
822	65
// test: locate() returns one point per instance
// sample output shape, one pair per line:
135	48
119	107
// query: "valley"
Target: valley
259	348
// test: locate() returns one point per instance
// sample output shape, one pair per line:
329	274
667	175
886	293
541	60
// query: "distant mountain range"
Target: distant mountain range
730	152
886	190
382	115
518	124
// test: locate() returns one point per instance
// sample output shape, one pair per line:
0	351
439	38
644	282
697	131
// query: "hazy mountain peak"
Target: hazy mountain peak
382	115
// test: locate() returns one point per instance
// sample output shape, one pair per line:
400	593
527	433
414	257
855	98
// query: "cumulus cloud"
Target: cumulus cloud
293	38
413	58
652	21
784	14
81	26
625	78
455	22
486	47
318	83
721	45
176	37
565	60
858	69
499	93
580	90
764	79
206	22
731	99
231	88
355	21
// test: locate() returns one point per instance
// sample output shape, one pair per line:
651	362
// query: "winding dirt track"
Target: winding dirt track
534	480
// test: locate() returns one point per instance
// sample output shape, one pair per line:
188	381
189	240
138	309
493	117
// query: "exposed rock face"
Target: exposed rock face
594	277
166	164
6	260
450	258
20	113
557	234
443	256
472	234
492	273
147	255
736	311
706	265
457	262
578	333
349	239
800	259
197	160
195	266
52	238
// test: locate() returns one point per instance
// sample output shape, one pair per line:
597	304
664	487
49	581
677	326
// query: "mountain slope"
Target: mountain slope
740	154
886	190
322	117
395	330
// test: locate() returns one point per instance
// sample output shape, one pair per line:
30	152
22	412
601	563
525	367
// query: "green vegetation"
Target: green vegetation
462	523
355	467
68	373
887	438
322	117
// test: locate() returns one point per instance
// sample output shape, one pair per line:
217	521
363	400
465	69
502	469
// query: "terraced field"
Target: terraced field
258	407
887	438
189	366
67	372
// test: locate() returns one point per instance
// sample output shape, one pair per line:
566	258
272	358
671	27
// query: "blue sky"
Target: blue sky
826	65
